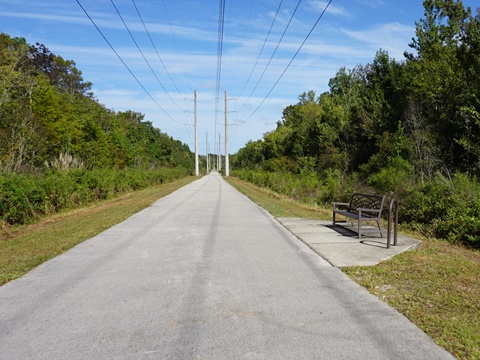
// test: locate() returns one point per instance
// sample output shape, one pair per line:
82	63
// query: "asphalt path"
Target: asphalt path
202	274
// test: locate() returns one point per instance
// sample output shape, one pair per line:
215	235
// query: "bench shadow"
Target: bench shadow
375	243
370	241
342	230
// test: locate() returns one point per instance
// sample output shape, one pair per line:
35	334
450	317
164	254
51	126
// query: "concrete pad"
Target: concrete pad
340	245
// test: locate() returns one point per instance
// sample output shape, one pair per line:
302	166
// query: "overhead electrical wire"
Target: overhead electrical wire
244	35
144	57
261	50
271	57
176	47
221	25
286	68
220	50
161	61
126	66
156	50
258	58
179	57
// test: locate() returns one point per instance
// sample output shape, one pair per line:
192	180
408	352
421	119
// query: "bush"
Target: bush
20	198
333	187
393	179
25	197
447	209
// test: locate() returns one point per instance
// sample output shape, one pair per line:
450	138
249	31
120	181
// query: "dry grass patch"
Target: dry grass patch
22	248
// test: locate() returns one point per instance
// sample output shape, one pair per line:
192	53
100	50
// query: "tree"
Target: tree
19	133
445	43
62	73
46	111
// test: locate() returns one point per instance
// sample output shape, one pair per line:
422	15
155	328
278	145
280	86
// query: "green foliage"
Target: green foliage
397	124
60	148
446	208
47	109
25	197
392	179
20	198
336	187
308	187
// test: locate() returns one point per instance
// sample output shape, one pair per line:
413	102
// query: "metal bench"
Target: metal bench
362	208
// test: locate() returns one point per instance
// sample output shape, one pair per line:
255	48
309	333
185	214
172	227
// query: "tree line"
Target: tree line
60	148
47	110
409	128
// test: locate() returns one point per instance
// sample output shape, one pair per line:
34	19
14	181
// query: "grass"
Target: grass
22	248
277	204
436	286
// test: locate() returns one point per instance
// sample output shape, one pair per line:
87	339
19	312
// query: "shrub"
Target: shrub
393	179
24	197
20	198
447	209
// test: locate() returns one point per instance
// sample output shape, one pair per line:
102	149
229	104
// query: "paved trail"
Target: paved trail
202	274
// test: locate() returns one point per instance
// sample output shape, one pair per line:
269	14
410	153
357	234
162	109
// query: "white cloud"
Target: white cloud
112	22
46	17
393	37
320	5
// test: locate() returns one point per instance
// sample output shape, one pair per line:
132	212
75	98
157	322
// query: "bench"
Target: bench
362	207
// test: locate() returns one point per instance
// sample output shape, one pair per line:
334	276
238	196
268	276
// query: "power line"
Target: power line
175	43
271	57
245	34
156	50
286	68
261	50
258	57
221	24
143	55
126	66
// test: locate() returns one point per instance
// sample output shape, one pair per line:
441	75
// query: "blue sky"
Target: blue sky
183	57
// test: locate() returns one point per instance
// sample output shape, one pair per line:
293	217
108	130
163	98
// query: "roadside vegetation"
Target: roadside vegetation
27	197
61	149
409	129
436	286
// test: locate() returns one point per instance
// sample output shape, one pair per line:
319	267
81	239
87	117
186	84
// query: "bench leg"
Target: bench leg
380	228
359	229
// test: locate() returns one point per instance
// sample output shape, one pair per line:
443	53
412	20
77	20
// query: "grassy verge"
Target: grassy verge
436	286
22	248
277	204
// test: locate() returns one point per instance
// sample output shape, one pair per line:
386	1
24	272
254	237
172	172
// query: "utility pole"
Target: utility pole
196	132
208	165
219	161
227	165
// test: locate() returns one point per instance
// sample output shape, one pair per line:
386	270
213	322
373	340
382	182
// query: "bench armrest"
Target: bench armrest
336	204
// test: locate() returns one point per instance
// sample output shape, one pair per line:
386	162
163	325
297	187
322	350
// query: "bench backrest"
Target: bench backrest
366	201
